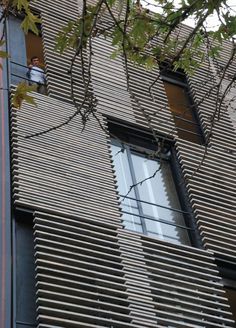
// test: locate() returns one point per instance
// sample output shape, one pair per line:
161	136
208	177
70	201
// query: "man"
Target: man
36	75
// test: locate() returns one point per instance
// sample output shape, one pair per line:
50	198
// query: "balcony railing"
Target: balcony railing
175	216
21	324
19	73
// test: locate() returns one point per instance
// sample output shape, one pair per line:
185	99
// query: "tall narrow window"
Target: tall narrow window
22	48
182	105
25	291
150	202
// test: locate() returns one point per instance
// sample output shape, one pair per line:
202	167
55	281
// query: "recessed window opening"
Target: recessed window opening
34	46
181	105
27	57
149	199
231	295
24	271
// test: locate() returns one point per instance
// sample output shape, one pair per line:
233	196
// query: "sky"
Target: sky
212	21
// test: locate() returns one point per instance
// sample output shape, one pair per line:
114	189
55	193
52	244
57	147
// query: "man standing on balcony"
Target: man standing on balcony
36	75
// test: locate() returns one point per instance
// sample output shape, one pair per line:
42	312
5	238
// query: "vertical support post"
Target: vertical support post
5	199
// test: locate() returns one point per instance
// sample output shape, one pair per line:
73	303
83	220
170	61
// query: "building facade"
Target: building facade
79	246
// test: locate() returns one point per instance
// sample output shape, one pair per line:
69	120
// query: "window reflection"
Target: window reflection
152	205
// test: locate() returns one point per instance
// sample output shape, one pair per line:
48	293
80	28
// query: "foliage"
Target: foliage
3	54
30	20
138	34
21	94
143	37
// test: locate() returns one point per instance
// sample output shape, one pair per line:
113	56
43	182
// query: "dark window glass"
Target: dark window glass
182	106
34	47
151	207
231	295
25	290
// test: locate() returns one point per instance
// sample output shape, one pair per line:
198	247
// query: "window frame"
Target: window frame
128	136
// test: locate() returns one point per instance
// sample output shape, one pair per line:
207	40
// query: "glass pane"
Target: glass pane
156	194
25	273
133	226
231	295
159	190
17	51
124	180
170	233
148	191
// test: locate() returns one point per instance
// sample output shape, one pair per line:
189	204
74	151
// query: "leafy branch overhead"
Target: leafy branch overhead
30	20
148	38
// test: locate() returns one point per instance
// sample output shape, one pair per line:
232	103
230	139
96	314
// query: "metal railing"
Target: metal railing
161	220
22	77
28	324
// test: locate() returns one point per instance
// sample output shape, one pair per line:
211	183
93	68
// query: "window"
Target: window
21	49
24	272
181	105
231	295
151	206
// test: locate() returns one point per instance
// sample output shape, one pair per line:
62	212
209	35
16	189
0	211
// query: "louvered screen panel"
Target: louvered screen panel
60	8
180	285
136	104
55	15
65	170
151	105
226	57
109	82
79	273
211	182
89	274
58	66
139	106
217	124
220	64
203	84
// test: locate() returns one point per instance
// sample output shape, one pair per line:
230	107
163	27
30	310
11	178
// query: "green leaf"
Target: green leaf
21	94
30	22
21	4
4	54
